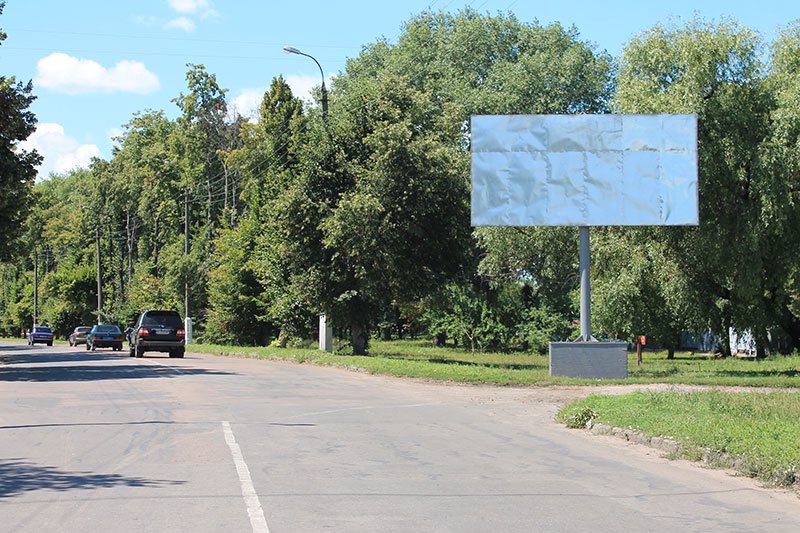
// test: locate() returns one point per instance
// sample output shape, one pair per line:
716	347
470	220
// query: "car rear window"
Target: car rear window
107	328
42	329
83	330
169	319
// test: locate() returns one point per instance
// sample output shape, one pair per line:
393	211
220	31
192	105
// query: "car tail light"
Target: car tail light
180	333
143	332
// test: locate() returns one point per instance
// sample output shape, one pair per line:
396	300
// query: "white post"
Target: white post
325	335
187	330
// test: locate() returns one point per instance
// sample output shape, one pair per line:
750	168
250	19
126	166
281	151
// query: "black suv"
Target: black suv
157	331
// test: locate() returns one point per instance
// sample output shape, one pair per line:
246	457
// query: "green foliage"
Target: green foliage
385	198
493	318
16	303
780	156
541	326
731	264
481	64
68	294
546	259
17	166
385	186
580	418
268	186
234	316
635	287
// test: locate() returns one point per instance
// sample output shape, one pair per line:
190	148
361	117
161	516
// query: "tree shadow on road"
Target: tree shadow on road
42	358
100	373
18	477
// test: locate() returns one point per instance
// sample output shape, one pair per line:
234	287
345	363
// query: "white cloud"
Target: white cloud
180	23
61	153
201	7
64	73
303	86
187	6
247	103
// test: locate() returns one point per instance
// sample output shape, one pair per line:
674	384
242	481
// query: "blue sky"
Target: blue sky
94	64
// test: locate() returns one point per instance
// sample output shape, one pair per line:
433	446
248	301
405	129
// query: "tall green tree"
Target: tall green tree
385	185
715	71
17	166
249	296
205	133
283	131
780	158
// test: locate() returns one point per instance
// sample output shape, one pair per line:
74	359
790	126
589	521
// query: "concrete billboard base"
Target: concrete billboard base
596	360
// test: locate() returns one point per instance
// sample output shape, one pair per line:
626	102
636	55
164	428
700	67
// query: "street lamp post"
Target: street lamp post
323	89
325	324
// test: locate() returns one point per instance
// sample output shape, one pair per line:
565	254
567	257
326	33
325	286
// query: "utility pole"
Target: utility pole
185	251
99	275
35	284
129	243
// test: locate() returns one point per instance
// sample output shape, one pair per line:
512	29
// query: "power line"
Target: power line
151	38
184	55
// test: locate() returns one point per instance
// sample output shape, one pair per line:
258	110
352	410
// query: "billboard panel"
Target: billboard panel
584	170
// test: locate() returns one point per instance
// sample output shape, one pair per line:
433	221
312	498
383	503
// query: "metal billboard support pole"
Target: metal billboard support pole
586	290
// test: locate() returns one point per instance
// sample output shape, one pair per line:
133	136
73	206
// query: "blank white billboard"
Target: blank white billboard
584	170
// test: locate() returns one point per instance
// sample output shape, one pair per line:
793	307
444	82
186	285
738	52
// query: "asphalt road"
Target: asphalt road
98	441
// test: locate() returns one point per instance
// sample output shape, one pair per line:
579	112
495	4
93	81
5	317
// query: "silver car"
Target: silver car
78	336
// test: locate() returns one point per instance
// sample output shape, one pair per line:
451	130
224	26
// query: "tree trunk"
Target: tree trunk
670	353
791	325
725	347
439	340
726	323
358	338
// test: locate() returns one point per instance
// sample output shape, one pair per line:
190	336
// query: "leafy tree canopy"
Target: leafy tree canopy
17	166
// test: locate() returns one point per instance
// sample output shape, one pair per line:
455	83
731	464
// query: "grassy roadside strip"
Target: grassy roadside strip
418	359
757	434
382	363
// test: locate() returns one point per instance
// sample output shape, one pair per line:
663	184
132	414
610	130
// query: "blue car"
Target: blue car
40	334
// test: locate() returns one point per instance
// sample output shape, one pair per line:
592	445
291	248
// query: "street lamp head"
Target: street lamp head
293	50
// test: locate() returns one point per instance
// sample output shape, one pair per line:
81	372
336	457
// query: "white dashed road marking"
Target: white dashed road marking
254	510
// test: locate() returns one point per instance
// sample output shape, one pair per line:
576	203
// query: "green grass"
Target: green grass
759	432
419	359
